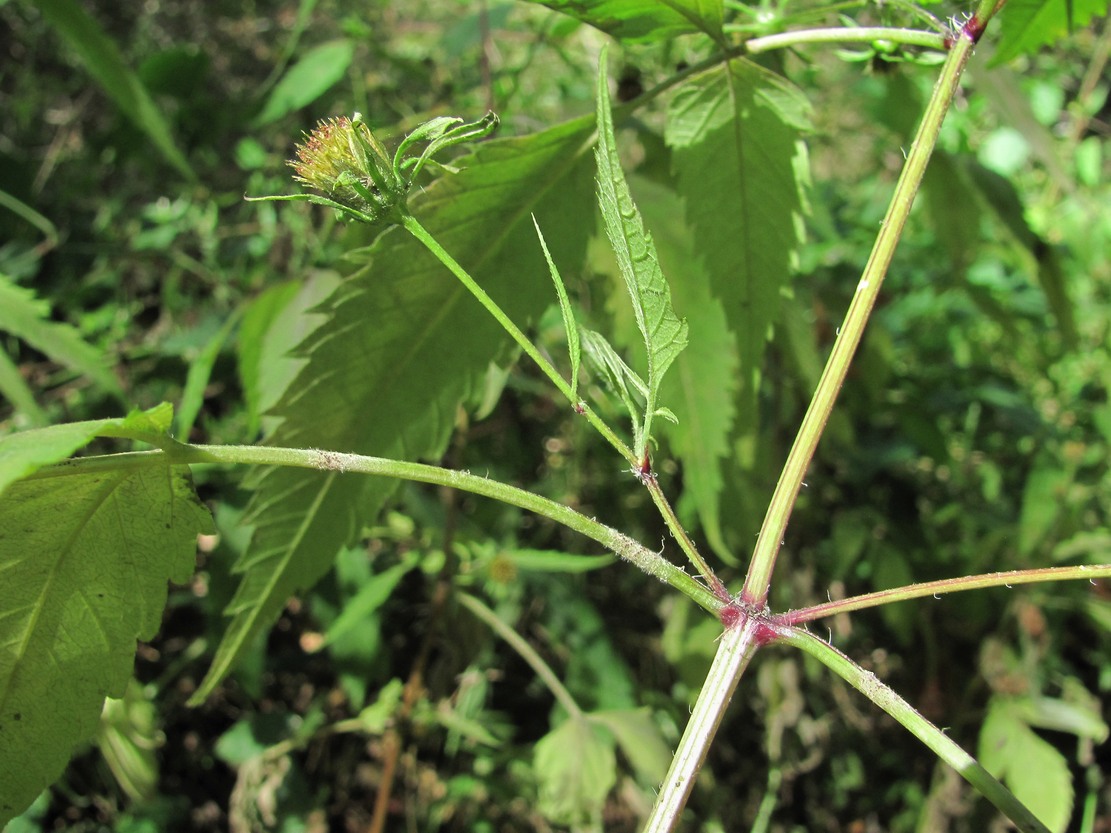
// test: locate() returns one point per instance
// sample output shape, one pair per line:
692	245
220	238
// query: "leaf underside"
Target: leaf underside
75	594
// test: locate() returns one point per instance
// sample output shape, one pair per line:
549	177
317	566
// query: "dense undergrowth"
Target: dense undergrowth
972	434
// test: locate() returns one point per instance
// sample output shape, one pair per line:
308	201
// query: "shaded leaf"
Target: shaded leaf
576	768
1031	768
664	334
103	60
735	134
644	20
640	741
1042	502
76	594
400	319
703	385
363	604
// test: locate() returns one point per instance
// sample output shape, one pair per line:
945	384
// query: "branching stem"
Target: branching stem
786	492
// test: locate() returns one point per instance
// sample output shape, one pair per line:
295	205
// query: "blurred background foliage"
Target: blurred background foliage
972	435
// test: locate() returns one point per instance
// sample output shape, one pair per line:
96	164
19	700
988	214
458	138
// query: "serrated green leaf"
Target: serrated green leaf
572	328
309	78
703	385
397	320
575	768
741	169
23	453
644	20
102	58
24	315
664	334
1027	25
276	322
76	594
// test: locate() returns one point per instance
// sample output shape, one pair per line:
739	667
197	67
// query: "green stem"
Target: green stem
948	585
735	650
684	540
940	743
179	454
526	652
783	500
413	226
686	544
866	34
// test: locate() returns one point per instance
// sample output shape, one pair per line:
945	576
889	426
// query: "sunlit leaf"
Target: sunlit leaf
309	78
664	334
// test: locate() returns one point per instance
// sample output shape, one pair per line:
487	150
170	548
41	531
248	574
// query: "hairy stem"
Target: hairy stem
947	585
735	650
864	34
849	335
940	743
180	454
685	543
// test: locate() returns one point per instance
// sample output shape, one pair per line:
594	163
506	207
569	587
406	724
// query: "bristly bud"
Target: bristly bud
351	172
343	161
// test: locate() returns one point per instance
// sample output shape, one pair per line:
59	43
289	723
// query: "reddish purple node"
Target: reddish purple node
765	633
730	615
974	29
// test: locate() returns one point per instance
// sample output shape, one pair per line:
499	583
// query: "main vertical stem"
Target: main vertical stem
755	590
735	650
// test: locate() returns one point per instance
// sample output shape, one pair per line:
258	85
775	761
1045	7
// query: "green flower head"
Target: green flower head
343	161
350	171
